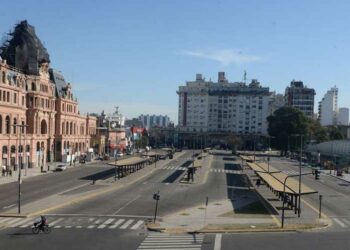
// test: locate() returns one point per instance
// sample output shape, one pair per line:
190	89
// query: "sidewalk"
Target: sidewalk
333	173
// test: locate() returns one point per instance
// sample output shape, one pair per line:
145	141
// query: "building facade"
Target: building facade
149	121
38	115
299	96
328	108
343	116
222	107
276	101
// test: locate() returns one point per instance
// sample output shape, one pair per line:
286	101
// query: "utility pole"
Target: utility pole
20	149
301	155
156	197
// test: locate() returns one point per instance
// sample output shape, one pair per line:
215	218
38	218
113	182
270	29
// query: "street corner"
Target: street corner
154	227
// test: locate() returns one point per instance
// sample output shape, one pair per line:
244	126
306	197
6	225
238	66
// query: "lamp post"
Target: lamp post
21	126
300	161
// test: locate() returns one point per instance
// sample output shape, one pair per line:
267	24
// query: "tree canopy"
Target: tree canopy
284	123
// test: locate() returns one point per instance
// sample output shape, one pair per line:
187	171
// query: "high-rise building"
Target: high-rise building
343	116
149	121
299	96
276	101
237	107
328	108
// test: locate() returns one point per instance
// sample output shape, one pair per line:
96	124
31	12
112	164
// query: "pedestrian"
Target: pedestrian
3	170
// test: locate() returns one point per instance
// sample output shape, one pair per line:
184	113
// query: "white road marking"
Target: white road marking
11	222
21	222
339	222
104	224
128	203
9	206
126	224
137	225
217	244
346	221
56	221
117	223
6	219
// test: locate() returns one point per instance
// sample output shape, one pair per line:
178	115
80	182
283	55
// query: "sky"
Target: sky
135	54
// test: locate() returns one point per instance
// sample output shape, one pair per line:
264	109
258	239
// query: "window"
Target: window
43	127
15	97
8	125
0	124
22	100
14	126
8	96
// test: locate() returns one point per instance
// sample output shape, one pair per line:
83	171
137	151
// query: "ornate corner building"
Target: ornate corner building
39	114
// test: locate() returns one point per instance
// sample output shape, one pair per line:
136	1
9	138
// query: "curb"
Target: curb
337	177
14	215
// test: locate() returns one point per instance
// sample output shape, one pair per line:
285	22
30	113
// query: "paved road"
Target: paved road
115	220
335	192
38	187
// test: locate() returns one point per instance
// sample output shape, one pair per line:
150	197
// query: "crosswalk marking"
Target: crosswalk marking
104	224
126	224
117	223
346	221
27	224
339	222
77	223
171	242
55	222
20	222
137	224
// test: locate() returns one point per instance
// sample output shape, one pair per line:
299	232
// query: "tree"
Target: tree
334	133
286	122
316	131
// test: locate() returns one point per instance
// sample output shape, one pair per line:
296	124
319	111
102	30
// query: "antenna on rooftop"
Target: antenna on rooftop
245	76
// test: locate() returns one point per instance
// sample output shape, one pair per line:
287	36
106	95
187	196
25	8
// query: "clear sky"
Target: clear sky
135	54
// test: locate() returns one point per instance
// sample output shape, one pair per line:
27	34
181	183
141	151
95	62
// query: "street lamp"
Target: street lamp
21	126
300	160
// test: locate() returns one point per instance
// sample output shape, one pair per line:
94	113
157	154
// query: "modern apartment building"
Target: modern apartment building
343	116
328	108
149	121
223	106
299	96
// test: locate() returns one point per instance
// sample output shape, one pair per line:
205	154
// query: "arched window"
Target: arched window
43	127
26	87
4	150
74	128
67	128
13	149
0	124
28	148
37	146
33	86
14	125
64	145
62	128
8	125
71	128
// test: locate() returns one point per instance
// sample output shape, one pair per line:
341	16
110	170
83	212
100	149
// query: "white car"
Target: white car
61	167
120	154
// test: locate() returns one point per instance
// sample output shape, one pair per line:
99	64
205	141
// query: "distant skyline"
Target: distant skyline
135	54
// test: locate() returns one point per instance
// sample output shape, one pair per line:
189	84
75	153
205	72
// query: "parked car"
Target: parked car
61	167
120	154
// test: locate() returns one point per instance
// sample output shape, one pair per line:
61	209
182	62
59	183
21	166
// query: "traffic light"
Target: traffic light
156	197
317	174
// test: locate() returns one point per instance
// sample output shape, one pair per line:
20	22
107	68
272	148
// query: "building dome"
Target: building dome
24	50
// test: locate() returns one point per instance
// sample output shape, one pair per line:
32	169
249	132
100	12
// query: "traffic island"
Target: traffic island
154	227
